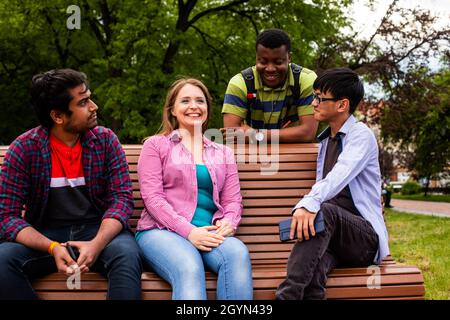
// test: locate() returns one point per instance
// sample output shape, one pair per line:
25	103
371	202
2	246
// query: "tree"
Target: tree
416	121
412	117
405	39
132	50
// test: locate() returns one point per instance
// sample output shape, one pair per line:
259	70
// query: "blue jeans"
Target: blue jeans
181	264
119	261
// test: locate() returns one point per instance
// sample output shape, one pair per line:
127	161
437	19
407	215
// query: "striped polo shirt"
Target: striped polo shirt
269	109
68	201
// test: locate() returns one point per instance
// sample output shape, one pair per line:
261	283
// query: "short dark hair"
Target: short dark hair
341	83
50	91
273	38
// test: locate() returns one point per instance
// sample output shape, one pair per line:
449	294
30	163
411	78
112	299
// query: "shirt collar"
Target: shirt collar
259	85
175	136
342	131
60	145
42	134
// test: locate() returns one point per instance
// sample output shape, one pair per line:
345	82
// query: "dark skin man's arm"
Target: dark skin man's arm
33	239
305	132
90	250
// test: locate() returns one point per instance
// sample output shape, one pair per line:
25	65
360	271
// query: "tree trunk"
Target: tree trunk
167	65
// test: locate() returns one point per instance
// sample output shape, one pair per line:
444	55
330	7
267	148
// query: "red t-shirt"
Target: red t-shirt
68	201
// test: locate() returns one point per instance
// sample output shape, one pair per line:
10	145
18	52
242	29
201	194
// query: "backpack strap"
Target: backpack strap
296	70
249	79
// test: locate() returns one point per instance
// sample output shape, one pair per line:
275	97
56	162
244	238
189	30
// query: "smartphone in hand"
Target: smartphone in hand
73	252
285	227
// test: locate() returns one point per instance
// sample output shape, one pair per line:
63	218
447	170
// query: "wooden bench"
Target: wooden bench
267	200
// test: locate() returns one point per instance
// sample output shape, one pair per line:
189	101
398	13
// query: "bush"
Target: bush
411	187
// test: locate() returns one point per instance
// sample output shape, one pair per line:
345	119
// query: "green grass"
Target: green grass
421	197
423	241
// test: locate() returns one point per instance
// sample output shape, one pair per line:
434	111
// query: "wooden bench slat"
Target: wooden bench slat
279	193
282	175
281	212
294	148
256	185
146	295
288	166
363	280
395	269
256	176
386	291
270	202
252	194
258	203
258	167
282	158
72	295
260	272
278	184
390	298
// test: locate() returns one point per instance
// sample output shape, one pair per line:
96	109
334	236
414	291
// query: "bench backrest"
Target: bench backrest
268	199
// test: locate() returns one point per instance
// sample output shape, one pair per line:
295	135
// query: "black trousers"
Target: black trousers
348	241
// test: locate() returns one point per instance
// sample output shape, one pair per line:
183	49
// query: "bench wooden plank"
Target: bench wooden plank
264	279
282	158
258	167
258	185
256	194
363	280
385	292
384	269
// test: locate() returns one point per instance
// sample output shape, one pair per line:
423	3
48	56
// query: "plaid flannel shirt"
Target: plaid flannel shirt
26	173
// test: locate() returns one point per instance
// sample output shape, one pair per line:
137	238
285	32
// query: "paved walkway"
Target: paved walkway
441	209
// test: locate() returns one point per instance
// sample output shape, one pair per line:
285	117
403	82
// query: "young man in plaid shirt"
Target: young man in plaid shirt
71	178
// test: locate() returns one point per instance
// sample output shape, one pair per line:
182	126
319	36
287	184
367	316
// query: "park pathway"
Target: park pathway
441	209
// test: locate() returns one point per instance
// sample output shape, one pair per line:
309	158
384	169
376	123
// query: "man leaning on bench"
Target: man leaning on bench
66	194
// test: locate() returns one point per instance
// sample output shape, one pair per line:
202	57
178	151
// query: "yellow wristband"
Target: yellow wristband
52	246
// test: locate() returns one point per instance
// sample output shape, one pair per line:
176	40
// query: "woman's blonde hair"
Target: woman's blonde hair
169	122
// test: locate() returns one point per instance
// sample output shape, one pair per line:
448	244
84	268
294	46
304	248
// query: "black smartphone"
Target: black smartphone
73	252
285	227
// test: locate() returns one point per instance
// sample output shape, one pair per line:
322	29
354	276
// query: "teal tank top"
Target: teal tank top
205	204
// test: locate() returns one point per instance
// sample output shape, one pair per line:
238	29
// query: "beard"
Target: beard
80	128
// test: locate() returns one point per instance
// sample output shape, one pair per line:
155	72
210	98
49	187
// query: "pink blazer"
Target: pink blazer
168	184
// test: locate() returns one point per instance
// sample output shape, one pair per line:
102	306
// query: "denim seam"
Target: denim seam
33	259
165	270
225	266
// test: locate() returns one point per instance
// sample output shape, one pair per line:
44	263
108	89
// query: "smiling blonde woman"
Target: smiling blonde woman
192	202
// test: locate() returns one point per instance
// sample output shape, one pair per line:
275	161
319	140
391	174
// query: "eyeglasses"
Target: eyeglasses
320	99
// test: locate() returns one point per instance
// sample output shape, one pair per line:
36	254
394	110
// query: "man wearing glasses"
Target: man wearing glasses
347	191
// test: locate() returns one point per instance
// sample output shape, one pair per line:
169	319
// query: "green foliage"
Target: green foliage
411	187
133	50
422	132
